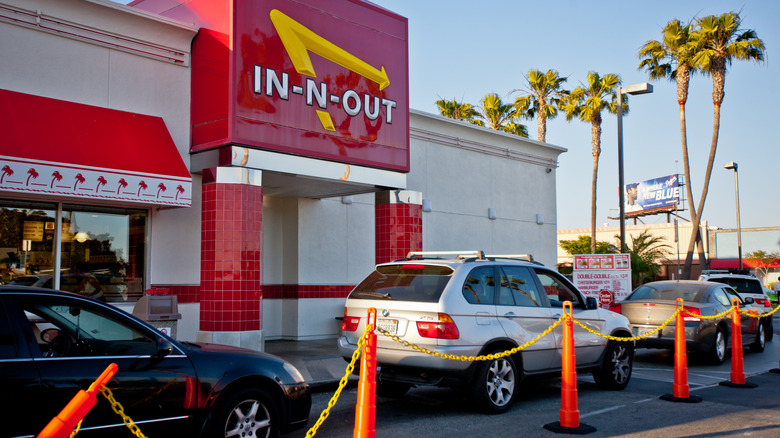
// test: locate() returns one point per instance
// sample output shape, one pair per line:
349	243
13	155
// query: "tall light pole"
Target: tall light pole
643	88
734	166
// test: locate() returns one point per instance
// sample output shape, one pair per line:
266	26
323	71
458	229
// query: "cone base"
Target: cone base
738	385
689	399
583	429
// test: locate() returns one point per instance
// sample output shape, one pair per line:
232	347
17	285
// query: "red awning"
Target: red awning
50	146
746	264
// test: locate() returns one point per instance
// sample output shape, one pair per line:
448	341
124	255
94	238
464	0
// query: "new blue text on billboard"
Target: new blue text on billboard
652	194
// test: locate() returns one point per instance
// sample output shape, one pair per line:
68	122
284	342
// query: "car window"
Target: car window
518	288
731	295
70	330
742	285
718	295
557	290
480	286
407	282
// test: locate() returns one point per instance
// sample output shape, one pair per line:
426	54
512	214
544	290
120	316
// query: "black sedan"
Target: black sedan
651	304
52	344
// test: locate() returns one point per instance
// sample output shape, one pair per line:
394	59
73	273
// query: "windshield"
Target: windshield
742	285
689	294
408	282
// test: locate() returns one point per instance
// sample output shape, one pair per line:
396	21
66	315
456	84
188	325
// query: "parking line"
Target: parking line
601	411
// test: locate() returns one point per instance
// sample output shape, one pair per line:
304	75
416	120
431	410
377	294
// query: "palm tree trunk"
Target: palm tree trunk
595	132
718	87
541	122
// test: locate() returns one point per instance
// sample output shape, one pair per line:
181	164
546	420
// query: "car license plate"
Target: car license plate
641	331
388	325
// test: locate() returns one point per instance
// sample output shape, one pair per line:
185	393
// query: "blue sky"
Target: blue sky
465	49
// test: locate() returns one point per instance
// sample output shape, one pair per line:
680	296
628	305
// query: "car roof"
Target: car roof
453	258
695	284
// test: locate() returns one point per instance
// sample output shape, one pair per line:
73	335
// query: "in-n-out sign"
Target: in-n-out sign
298	41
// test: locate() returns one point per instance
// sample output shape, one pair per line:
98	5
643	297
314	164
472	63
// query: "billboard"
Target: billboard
652	194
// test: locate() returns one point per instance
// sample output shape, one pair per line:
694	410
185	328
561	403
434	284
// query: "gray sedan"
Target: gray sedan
651	304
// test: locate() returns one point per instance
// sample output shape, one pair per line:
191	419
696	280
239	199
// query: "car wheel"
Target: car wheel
718	350
615	372
248	412
760	342
392	389
494	385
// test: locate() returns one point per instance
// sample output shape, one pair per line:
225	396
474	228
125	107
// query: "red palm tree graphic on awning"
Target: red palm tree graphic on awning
79	179
100	182
122	184
6	171
179	190
55	176
141	186
32	173
161	188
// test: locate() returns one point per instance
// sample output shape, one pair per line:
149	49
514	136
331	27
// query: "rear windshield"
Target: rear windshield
691	294
742	285
421	283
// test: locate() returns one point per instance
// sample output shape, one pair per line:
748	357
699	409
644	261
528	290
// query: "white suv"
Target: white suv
470	304
746	286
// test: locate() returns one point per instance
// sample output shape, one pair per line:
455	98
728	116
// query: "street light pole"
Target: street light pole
735	167
643	88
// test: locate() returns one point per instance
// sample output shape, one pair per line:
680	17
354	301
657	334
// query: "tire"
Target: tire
760	341
769	330
717	354
392	389
249	411
495	385
616	369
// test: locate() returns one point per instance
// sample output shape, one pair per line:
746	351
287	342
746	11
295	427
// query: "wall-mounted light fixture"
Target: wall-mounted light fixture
539	219
427	205
491	213
346	200
81	237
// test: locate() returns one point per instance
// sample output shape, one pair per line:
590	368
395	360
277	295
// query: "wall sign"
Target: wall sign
606	277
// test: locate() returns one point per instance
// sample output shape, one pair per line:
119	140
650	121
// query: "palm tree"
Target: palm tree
646	251
55	176
672	58
32	173
720	40
79	180
541	98
6	171
161	188
587	103
457	110
500	116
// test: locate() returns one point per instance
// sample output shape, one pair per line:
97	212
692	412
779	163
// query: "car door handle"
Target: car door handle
510	315
557	315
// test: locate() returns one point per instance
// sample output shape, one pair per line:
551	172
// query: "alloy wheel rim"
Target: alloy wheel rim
621	364
500	382
720	346
249	419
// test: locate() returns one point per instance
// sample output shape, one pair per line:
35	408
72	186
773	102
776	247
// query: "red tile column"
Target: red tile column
231	254
398	217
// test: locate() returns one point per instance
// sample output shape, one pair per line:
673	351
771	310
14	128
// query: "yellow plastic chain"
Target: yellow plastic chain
763	315
342	384
472	358
121	412
632	338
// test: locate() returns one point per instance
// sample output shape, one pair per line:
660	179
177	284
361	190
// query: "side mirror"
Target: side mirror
591	303
164	348
749	300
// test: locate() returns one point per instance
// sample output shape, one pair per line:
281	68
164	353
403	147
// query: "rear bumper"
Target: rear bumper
697	338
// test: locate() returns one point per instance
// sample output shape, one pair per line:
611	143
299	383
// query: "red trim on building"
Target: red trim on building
57	147
746	264
398	230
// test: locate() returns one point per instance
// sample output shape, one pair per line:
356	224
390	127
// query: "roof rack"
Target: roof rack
526	257
458	254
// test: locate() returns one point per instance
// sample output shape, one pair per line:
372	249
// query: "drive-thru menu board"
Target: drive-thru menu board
606	277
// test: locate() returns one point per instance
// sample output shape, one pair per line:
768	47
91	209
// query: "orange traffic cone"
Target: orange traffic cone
680	389
365	412
63	424
737	364
569	415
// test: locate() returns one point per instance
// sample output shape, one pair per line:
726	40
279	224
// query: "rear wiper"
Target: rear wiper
378	295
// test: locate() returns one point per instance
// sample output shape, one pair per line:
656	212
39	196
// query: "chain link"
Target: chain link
121	412
342	384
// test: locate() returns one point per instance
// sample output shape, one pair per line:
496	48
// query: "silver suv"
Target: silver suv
469	304
746	286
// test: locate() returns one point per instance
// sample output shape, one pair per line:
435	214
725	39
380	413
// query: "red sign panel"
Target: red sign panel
324	79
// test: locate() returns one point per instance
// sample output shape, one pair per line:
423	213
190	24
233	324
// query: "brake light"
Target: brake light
763	301
616	307
408	266
689	310
350	323
444	329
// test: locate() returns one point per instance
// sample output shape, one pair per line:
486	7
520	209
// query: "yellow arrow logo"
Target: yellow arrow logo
298	40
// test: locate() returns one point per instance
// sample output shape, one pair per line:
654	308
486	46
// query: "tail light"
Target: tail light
689	310
616	307
444	329
350	323
763	301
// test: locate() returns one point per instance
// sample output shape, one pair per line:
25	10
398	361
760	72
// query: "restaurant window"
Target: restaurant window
102	249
